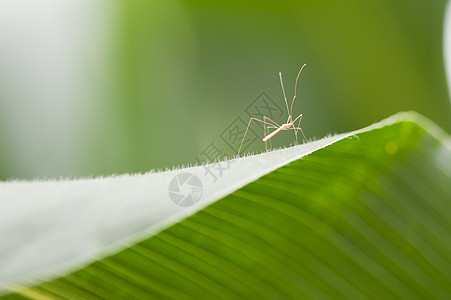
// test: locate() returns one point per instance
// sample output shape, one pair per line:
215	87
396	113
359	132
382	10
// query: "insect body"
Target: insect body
282	127
270	124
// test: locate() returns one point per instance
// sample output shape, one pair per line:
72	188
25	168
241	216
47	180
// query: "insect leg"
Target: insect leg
247	128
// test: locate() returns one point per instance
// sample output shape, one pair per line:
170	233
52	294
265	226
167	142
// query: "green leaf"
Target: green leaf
363	215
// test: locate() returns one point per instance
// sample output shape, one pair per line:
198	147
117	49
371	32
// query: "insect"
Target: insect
269	124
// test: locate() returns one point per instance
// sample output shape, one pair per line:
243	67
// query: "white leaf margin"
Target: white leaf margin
51	228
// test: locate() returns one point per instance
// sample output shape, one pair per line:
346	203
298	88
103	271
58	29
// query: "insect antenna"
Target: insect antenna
284	95
295	89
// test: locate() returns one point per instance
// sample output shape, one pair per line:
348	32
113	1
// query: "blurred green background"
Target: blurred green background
93	88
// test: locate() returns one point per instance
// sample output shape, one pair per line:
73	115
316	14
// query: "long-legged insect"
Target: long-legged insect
270	124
